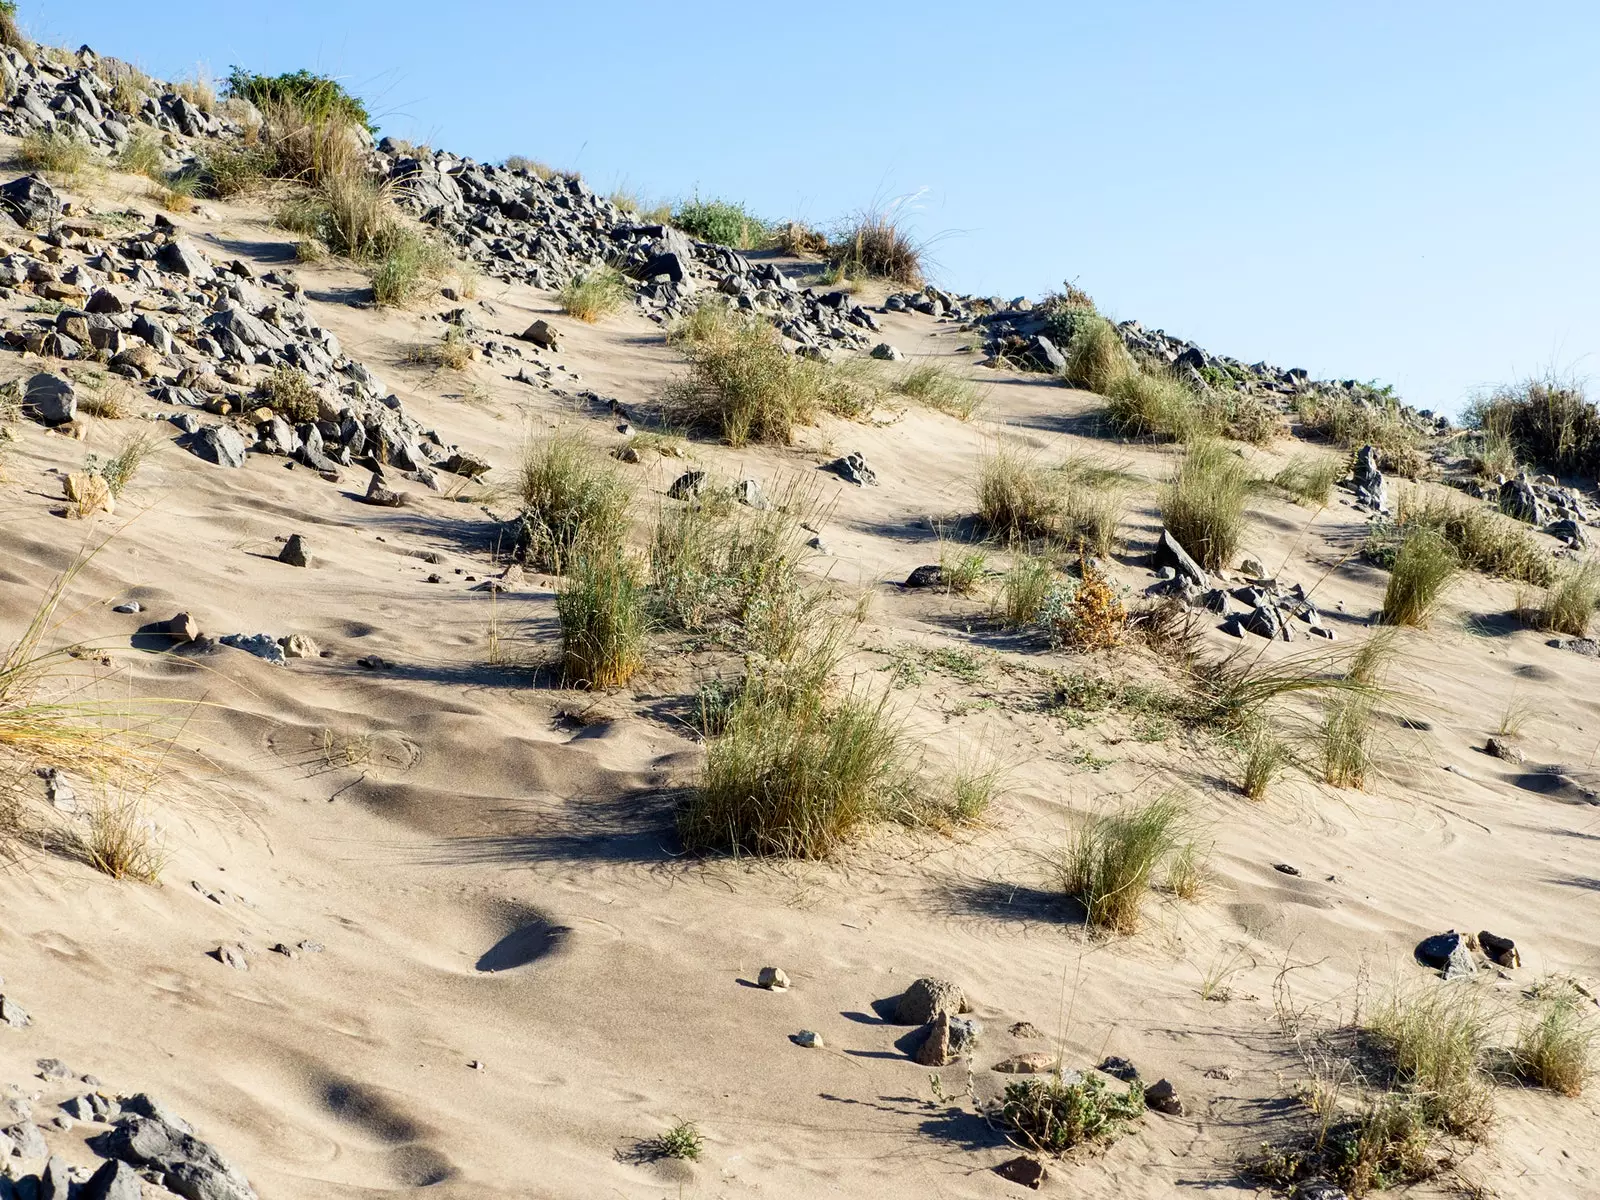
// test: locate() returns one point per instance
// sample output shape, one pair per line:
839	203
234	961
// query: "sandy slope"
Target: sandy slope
496	881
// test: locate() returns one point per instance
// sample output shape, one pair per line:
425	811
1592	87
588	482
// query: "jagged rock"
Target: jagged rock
1502	749
31	201
188	1166
298	645
382	496
748	493
294	552
55	1181
1119	1068
1519	500
106	301
1034	1062
469	465
687	485
220	444
853	468
926	998
1046	354
1029	1172
115	1180
182	628
1265	621
13	1014
49	399
263	645
928	576
27	1140
542	333
1447	953
773	979
1500	951
1367	481
181	258
1162	1097
1170	553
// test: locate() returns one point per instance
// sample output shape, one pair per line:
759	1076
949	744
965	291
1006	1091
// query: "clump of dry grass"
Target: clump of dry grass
602	614
571	497
1147	402
11	32
1265	755
143	155
1310	478
1017	494
1556	1044
942	389
1569	602
1373	420
876	245
1096	357
56	151
797	238
454	351
1111	859
595	293
743	385
1436	1039
289	392
1546	421
1024	590
118	471
1423	569
1483	539
122	842
198	92
1203	506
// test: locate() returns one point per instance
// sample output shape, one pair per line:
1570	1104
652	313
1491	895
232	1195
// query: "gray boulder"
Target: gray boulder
927	998
1367	481
190	1167
114	1180
853	468
220	444
31	200
1170	553
181	258
1447	953
49	399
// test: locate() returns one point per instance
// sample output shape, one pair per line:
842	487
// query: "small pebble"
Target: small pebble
131	606
773	979
810	1039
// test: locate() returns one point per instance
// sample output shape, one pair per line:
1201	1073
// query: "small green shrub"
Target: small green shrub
1436	1039
1423	569
1111	859
1018	496
1052	1116
1385	1144
1203	506
1146	403
318	97
1483	539
1265	756
143	155
228	172
11	33
721	222
684	1140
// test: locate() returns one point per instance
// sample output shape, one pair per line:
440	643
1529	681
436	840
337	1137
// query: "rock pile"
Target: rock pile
517	225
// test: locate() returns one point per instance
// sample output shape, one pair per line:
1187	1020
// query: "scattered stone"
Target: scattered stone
1170	553
929	576
1029	1172
1500	951
853	468
220	444
59	791
54	1070
263	645
773	979
1367	483
1447	953
748	493
1502	749
1119	1068
80	1108
1025	1029
1162	1097
884	352
935	1050
231	956
311	947
182	629
31	201
13	1014
926	998
1218	1073
1286	868
379	494
687	486
1035	1062
49	399
542	333
186	1165
115	1180
129	606
27	1141
476	1065
287	951
294	552
298	645
810	1039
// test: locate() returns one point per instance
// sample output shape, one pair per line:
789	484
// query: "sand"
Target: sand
490	868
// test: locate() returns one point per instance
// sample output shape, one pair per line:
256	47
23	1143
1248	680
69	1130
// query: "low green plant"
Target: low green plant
1203	506
143	155
317	97
601	607
1054	1115
962	568
1436	1039
595	293
1152	403
1423	568
1367	416
1385	1143
118	471
1483	539
1018	495
684	1140
1111	858
1264	757
1024	590
231	171
720	221
1546	421
121	842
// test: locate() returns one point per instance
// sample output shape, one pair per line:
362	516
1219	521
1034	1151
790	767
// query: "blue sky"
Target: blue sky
1401	192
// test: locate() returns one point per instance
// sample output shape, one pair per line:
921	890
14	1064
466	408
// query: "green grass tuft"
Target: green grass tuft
1111	859
1203	506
